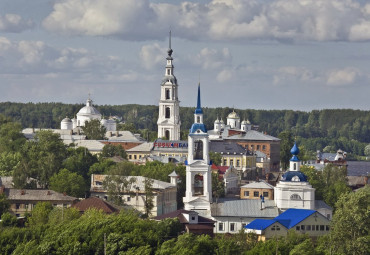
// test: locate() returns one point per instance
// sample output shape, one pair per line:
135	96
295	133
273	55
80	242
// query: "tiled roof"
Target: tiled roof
358	168
244	208
321	204
97	203
226	147
37	195
252	135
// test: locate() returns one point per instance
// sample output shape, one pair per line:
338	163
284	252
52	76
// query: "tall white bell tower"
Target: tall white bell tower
198	195
169	111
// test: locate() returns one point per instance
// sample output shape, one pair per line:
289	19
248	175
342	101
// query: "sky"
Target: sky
246	54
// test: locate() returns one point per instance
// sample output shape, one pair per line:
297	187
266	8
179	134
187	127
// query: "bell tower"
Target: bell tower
198	195
169	111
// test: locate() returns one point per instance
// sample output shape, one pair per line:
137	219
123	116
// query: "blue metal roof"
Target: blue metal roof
288	219
199	108
288	176
295	149
197	126
260	224
292	217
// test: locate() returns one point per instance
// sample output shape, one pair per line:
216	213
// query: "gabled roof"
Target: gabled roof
144	147
37	195
251	135
96	203
180	215
227	148
260	224
258	185
292	217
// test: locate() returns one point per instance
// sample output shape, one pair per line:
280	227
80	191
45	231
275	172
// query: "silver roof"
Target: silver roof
244	208
37	195
144	147
258	185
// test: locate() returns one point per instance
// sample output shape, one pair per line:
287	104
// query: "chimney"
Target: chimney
23	192
64	194
267	177
49	193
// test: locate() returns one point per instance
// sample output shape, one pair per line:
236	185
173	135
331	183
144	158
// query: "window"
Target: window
168	94
135	157
295	166
231	162
198	119
313	227
328	216
258	147
105	197
129	157
128	199
26	206
246	193
232	227
317	227
275	227
295	197
17	206
265	194
225	162
308	227
97	183
192	217
238	162
65	205
297	228
220	226
302	227
55	205
168	71
263	147
322	227
256	194
327	227
243	225
168	113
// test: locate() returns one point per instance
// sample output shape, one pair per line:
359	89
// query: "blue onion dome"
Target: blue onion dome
295	149
294	176
196	127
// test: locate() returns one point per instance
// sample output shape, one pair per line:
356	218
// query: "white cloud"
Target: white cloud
210	59
317	20
151	55
13	23
225	75
289	74
339	77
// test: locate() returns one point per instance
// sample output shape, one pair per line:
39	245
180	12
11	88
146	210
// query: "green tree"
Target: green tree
8	220
149	196
110	150
4	204
218	186
9	161
40	214
350	231
67	182
367	150
215	158
79	161
11	137
94	130
286	145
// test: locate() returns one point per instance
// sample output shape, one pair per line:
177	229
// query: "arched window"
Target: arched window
168	112
168	94
167	134
198	149
295	197
294	166
198	119
198	185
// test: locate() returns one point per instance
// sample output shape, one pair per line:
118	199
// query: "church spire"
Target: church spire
199	107
169	51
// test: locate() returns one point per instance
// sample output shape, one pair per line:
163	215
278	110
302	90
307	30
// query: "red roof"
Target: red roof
97	203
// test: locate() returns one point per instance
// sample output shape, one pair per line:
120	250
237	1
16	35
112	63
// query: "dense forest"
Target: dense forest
327	130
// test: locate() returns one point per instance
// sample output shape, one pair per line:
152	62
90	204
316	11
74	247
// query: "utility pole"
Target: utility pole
105	244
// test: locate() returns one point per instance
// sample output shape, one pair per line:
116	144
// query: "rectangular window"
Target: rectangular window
322	227
313	228
302	227
256	194
128	199
232	227
308	227
243	225
238	162
328	216
297	228
26	206
231	162
17	206
317	227
258	147
225	162
265	194
129	157
263	147
327	227
220	226
192	217
134	156
246	193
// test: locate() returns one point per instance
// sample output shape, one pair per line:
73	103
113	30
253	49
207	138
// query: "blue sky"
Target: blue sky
272	54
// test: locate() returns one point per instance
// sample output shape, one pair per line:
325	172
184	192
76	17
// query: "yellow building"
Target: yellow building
255	189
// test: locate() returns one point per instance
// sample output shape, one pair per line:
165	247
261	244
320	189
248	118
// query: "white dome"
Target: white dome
66	120
89	109
233	115
103	121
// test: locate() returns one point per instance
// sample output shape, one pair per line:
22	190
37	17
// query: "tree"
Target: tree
67	182
11	137
149	196
79	161
367	150
94	130
8	220
8	162
215	158
285	146
4	204
218	186
350	231
110	150
40	214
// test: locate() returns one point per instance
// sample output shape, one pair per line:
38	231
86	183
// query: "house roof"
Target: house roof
260	224
97	203
37	195
226	147
144	147
122	136
292	217
180	214
244	208
288	219
358	168
258	185
251	135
